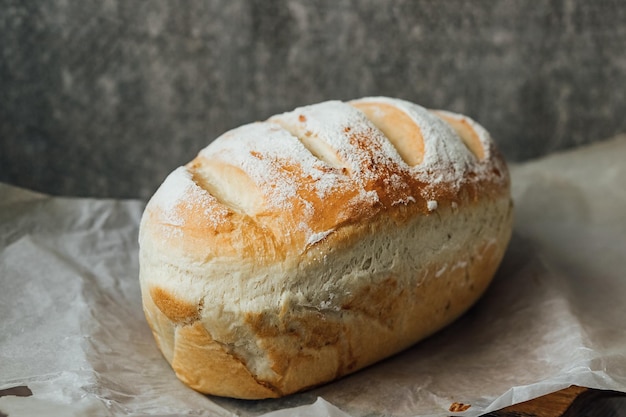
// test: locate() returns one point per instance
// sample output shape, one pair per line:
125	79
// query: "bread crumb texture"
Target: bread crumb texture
294	251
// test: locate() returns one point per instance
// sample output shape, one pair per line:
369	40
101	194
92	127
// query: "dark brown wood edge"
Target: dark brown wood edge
574	401
19	391
600	403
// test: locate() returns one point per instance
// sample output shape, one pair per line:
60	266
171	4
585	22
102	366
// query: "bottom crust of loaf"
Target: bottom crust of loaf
412	280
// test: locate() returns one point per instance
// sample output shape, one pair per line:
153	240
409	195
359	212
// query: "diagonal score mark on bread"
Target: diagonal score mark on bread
312	142
398	127
468	131
283	255
228	184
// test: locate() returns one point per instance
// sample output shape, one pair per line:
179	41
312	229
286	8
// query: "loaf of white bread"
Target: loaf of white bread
294	251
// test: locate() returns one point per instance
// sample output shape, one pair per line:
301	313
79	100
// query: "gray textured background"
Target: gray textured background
106	97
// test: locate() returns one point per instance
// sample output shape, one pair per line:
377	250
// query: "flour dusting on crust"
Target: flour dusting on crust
180	193
357	160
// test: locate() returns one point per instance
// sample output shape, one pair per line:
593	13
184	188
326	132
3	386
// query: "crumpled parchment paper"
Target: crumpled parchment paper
72	329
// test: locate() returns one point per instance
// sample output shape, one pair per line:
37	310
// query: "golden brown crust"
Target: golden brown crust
174	309
295	251
199	362
374	322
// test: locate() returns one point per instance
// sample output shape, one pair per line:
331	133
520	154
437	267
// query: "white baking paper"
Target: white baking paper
72	329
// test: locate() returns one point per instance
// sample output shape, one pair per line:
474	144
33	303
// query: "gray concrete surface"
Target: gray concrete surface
106	97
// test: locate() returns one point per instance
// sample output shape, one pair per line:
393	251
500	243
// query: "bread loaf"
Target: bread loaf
294	251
